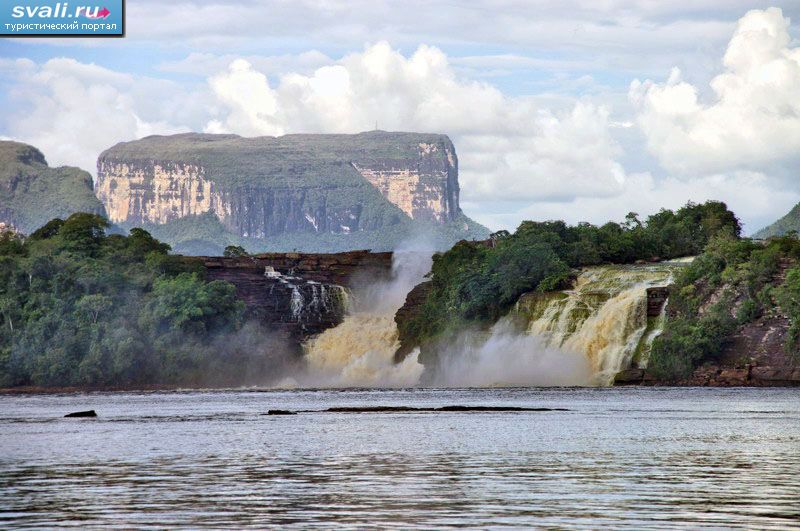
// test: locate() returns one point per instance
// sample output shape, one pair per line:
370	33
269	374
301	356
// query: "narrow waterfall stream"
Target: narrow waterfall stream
310	301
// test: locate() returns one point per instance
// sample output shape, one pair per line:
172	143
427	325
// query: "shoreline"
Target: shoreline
748	375
39	390
34	390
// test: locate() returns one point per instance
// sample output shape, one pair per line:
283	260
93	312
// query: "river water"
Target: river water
638	458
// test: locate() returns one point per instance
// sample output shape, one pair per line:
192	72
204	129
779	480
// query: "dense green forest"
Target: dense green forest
82	307
733	282
475	283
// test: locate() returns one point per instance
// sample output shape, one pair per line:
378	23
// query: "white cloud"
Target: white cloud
625	28
72	111
754	119
206	64
508	146
252	104
751	195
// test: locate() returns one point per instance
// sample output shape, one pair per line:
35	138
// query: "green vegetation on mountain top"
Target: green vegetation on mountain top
289	161
32	193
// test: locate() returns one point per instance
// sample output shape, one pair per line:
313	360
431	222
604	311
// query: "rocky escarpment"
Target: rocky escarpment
298	295
298	190
32	193
754	354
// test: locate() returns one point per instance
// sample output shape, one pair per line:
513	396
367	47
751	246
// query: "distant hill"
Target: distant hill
312	193
789	222
32	193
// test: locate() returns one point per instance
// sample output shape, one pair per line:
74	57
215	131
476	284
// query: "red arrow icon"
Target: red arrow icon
103	13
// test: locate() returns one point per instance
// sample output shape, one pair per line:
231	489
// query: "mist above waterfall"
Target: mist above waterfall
411	261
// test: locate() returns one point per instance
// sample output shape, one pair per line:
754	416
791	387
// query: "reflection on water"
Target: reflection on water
636	458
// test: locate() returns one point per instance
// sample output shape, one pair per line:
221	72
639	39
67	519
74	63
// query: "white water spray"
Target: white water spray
582	336
507	358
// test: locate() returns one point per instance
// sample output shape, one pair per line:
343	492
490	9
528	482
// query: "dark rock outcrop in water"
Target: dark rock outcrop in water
413	409
656	299
82	414
304	192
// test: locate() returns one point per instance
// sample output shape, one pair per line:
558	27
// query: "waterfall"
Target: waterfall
604	317
581	336
359	352
297	303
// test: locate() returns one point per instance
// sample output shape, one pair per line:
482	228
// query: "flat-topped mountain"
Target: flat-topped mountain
32	193
202	192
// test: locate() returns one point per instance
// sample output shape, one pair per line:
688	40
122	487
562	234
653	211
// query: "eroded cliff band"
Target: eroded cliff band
272	190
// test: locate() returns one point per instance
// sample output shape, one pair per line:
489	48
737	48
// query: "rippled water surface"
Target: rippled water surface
635	458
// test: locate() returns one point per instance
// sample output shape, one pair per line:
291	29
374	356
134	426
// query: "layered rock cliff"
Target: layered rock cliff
32	193
297	191
298	295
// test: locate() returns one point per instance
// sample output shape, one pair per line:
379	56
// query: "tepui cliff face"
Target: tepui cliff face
309	187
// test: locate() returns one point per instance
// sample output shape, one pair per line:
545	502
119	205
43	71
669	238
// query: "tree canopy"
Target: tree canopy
478	282
81	307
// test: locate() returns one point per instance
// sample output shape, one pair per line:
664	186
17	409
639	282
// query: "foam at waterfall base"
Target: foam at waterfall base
508	358
359	352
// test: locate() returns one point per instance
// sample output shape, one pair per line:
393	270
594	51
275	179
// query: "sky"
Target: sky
582	110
